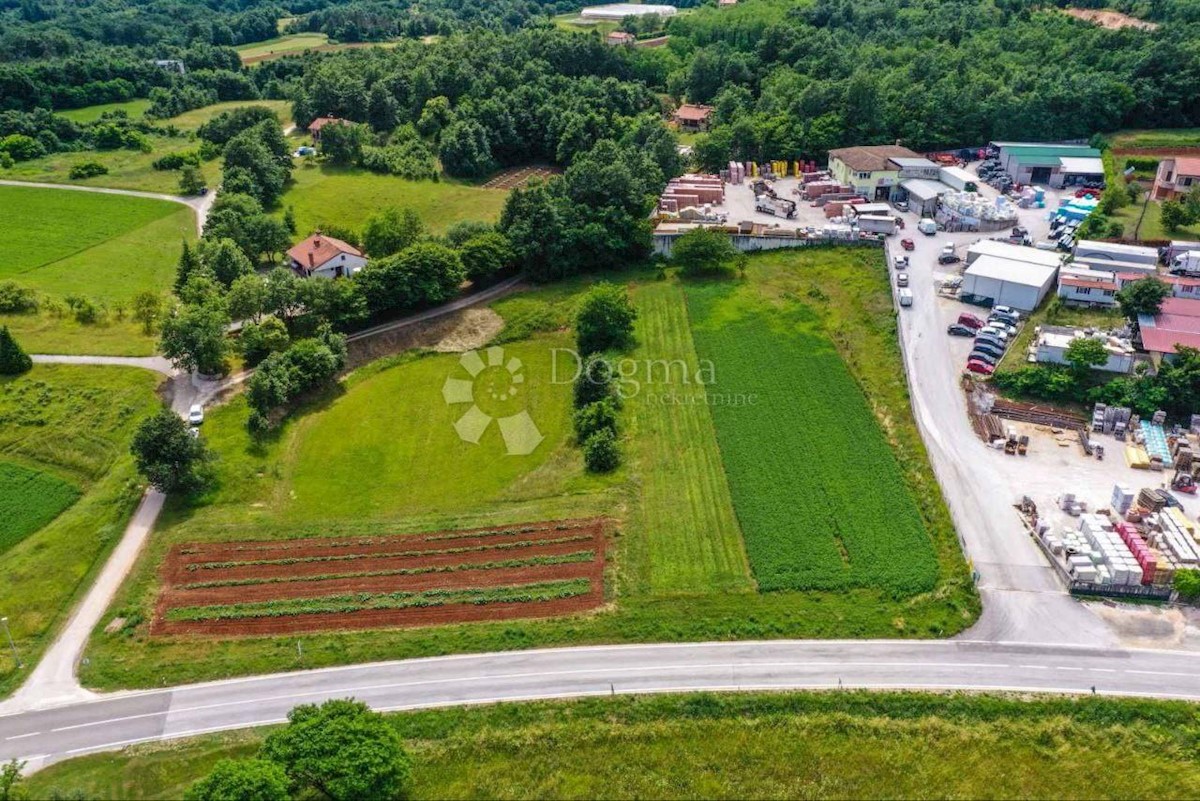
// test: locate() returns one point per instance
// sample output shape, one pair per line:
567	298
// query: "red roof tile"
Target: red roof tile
1187	165
1085	282
321	122
1159	340
1185	308
693	113
321	248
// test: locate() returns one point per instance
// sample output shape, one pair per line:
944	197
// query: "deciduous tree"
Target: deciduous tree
168	456
605	319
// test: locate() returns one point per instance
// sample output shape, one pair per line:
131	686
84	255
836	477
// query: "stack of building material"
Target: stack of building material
1098	417
1137	458
1122	499
737	172
1116	416
1182	455
1150	500
1154	565
1071	505
1115	563
1174	539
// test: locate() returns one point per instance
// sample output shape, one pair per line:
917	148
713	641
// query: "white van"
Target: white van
927	226
906	297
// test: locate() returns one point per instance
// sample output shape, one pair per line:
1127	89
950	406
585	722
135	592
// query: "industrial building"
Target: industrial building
1053	341
619	11
1080	286
1177	323
871	170
999	273
1054	165
1095	252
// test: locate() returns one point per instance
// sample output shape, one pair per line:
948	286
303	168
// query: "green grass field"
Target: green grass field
134	108
128	169
1164	137
324	195
1148	225
677	567
282	46
29	499
785	406
835	745
73	424
43	332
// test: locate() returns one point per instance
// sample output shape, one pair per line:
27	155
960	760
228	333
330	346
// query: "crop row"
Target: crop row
532	561
356	602
292	560
816	487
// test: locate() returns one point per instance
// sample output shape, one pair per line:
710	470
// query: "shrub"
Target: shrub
177	161
13	360
17	299
600	452
704	251
594	418
1142	163
594	382
605	319
87	169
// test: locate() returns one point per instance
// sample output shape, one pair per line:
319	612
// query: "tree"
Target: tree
704	251
595	417
13	360
147	309
1084	353
465	151
189	264
601	453
1187	584
191	181
426	273
241	780
260	340
193	338
594	382
341	750
289	220
1175	215
485	255
342	143
391	231
12	782
1144	296
224	260
604	320
169	457
247	297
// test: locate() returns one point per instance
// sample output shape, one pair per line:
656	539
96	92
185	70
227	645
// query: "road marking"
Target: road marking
1034	667
1160	673
22	736
1103	670
1061	667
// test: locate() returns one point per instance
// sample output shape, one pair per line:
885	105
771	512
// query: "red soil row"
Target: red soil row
277	582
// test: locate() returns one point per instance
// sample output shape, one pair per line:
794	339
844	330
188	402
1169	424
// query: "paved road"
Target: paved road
200	205
112	722
465	302
155	363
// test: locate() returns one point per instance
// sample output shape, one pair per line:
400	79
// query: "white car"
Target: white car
1009	310
901	279
1003	327
195	415
996	332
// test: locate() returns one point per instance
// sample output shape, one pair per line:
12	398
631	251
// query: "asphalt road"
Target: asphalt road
112	722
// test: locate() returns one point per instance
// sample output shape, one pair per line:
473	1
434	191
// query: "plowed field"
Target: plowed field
272	587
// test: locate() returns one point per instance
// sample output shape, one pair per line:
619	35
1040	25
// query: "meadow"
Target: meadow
29	499
281	46
820	498
72	424
785	745
677	566
324	195
132	169
134	108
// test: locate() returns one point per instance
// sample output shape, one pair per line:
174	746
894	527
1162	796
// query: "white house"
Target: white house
1052	343
1081	286
325	257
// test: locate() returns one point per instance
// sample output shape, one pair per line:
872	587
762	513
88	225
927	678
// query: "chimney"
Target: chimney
311	265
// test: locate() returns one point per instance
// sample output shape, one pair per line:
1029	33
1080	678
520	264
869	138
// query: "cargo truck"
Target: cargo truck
1186	263
876	224
776	207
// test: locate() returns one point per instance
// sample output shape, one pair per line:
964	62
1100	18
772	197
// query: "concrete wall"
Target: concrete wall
750	244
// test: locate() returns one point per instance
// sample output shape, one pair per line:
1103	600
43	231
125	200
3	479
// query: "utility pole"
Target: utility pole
11	644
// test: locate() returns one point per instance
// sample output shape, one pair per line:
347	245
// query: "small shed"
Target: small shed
923	195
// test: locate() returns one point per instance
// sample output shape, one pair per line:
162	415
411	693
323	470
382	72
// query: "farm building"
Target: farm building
1083	287
870	170
1055	165
1176	177
325	257
618	11
996	281
1053	341
620	38
691	117
316	125
1177	323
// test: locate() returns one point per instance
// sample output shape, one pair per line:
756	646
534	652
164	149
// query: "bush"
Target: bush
87	169
704	251
594	382
13	360
600	452
177	161
594	418
605	319
1142	163
83	310
16	299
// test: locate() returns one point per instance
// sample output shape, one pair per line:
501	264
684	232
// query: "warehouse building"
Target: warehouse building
996	281
922	195
1053	165
1007	250
619	11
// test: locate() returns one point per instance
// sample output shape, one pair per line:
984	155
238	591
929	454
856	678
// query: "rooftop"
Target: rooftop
1177	324
622	10
1076	165
917	163
1012	272
924	189
1187	165
1097	282
318	249
693	113
1019	253
321	122
1090	247
871	158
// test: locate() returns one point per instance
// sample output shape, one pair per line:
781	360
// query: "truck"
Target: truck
775	206
1186	263
876	224
906	297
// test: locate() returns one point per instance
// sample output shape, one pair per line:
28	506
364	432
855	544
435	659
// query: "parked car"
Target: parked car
993	349
970	320
195	415
906	297
901	205
1009	310
984	356
996	322
907	244
994	332
1004	317
901	279
977	366
948	256
956	330
901	263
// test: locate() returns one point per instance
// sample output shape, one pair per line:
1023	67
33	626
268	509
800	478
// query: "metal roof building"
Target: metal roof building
997	281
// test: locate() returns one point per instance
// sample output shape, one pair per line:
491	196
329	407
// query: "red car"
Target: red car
977	366
970	320
907	244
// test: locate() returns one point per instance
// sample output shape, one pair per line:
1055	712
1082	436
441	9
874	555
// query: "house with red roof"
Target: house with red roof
1176	324
316	125
691	117
1176	177
323	256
